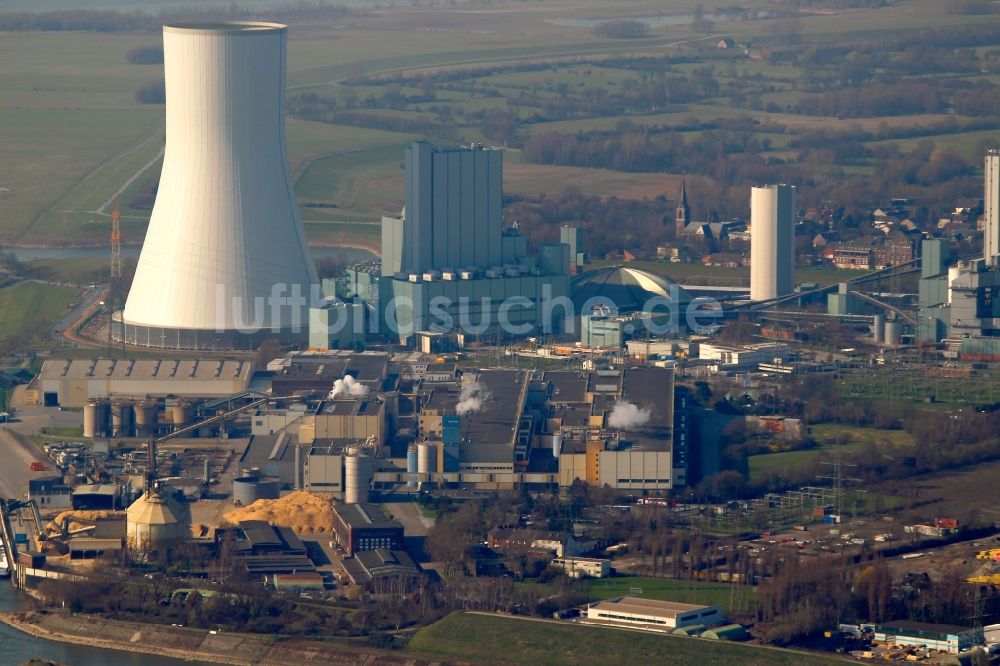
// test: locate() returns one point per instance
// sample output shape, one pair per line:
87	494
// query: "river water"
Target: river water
17	647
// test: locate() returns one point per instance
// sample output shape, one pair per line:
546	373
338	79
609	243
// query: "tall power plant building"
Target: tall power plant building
772	241
225	261
448	264
991	209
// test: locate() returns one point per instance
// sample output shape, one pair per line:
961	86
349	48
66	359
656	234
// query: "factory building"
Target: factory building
336	324
616	429
367	566
653	615
75	382
944	637
573	238
224	263
772	241
359	527
447	262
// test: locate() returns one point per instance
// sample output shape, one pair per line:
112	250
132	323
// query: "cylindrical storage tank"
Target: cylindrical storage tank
954	272
225	188
145	418
556	446
122	424
878	328
182	414
249	489
426	458
892	332
357	478
411	466
95	419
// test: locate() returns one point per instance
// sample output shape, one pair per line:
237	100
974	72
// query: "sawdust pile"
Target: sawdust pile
79	519
305	513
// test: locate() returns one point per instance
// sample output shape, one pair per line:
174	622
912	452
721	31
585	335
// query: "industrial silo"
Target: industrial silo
893	332
225	235
95	419
249	489
556	446
122	424
146	413
878	328
426	458
411	466
357	478
182	414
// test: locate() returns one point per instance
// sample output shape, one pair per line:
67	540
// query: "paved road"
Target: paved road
414	523
17	454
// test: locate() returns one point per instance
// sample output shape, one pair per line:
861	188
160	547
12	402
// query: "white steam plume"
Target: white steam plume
625	415
471	398
348	387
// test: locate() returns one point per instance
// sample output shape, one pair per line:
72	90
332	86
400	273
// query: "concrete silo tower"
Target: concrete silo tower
772	241
225	262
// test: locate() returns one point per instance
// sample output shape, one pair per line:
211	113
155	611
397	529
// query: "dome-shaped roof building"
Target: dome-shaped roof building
628	289
155	521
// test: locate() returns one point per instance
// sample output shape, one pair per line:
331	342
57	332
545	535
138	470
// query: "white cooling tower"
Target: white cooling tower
225	247
772	241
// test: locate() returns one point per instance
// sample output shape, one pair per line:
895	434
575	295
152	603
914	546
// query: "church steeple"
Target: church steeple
683	215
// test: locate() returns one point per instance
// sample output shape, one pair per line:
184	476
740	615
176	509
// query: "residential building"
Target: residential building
581	567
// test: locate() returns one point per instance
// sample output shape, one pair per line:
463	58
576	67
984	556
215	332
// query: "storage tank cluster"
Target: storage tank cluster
123	417
358	470
251	487
887	332
126	418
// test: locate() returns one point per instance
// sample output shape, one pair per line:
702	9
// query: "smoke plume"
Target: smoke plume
625	415
348	387
471	399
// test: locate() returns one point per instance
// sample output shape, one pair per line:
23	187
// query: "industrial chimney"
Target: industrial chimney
225	263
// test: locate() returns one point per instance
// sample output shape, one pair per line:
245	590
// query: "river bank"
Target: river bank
197	645
36	624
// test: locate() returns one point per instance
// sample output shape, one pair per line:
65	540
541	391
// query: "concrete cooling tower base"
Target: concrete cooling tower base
157	337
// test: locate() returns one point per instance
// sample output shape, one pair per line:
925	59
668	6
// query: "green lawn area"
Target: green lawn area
827	435
77	270
474	638
664	589
27	305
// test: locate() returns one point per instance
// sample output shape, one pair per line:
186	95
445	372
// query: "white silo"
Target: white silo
772	241
225	247
357	478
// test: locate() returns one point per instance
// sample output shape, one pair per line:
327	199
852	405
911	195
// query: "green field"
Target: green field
730	597
828	435
26	306
475	638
